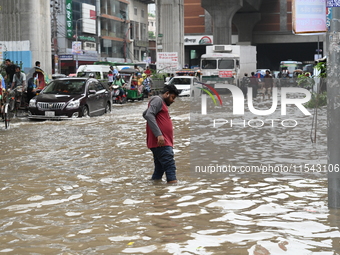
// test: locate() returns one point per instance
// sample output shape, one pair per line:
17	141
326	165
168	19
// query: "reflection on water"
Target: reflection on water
82	187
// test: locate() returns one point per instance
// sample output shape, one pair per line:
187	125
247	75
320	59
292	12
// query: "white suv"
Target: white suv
187	85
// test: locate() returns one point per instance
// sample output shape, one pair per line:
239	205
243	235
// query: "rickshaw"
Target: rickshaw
132	92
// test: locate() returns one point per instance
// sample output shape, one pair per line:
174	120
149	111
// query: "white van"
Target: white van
100	71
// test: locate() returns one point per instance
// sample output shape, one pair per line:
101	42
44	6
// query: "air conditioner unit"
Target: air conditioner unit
223	48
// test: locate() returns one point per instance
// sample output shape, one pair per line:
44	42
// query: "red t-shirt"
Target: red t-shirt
165	125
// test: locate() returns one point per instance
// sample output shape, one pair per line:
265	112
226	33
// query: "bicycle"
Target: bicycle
7	108
14	100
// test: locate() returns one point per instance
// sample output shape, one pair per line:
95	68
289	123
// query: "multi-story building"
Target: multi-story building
107	30
139	35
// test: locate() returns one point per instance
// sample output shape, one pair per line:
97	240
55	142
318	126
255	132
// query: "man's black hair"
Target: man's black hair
8	60
171	89
37	63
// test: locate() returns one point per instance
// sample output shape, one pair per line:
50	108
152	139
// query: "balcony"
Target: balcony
147	1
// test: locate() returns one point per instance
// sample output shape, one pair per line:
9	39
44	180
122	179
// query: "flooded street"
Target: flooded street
82	187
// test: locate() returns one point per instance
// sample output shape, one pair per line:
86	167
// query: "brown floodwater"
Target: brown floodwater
82	187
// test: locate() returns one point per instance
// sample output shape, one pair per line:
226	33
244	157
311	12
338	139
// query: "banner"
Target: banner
309	16
167	61
76	48
69	24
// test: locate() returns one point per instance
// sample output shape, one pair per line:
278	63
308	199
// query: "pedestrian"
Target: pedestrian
254	84
10	71
136	68
114	72
268	84
147	71
140	86
244	84
19	79
39	77
147	85
110	77
159	133
167	79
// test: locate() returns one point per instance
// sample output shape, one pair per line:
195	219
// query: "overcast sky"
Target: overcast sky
152	8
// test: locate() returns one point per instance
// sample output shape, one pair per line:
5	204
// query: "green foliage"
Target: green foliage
317	100
305	81
156	75
152	35
151	15
322	67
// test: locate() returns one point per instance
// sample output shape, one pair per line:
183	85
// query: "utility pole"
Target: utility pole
55	35
333	110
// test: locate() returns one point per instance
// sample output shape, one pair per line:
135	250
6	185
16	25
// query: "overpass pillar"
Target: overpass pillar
245	23
170	24
222	12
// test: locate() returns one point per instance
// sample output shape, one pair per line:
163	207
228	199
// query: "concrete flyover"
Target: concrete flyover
223	14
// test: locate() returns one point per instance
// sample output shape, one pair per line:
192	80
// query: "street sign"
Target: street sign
333	3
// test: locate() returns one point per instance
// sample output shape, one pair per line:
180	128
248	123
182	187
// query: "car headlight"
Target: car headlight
73	104
32	103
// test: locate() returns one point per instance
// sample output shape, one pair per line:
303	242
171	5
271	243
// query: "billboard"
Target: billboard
309	16
167	61
89	18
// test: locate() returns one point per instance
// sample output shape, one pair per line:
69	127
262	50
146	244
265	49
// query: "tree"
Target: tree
152	35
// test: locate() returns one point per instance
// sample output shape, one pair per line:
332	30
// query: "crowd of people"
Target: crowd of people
141	80
266	82
256	82
15	82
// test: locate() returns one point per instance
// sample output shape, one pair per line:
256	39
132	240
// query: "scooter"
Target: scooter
116	97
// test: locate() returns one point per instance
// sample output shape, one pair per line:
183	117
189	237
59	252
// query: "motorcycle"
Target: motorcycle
116	97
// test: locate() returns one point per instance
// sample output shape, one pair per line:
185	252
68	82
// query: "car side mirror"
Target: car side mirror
92	91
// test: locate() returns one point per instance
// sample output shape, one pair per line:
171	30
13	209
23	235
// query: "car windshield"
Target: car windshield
73	87
225	64
209	64
181	81
88	74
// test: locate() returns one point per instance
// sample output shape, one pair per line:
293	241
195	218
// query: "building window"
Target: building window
135	10
112	49
144	32
132	30
142	13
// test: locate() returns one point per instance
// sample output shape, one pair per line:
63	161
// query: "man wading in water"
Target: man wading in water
159	133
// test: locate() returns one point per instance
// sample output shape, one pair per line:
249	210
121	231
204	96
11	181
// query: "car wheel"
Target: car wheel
85	112
108	107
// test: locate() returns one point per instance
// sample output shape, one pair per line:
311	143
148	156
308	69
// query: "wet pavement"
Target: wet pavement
82	187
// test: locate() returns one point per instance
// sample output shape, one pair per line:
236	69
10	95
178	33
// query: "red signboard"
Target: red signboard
225	74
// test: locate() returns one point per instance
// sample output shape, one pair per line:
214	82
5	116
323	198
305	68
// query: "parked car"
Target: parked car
187	85
70	98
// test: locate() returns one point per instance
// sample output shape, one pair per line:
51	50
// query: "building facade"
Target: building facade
103	30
